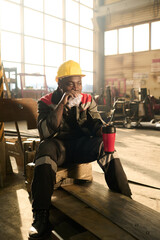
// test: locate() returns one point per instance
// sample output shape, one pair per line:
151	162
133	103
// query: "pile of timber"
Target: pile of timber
106	215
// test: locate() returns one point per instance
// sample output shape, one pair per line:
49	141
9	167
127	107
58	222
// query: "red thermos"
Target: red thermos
109	134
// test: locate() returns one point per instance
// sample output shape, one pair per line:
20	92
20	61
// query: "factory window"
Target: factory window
110	42
38	81
39	35
130	38
86	16
155	38
33	50
72	53
72	11
53	7
36	4
88	3
53	25
86	60
53	54
72	34
86	38
32	19
10	17
141	37
87	82
125	40
11	50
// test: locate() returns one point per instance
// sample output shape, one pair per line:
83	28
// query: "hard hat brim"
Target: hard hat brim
81	75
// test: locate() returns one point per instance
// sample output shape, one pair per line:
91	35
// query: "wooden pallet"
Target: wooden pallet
138	220
95	223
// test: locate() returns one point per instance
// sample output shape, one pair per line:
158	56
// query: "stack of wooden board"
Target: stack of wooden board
107	215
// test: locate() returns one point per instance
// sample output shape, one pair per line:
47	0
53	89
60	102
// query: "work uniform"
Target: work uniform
74	141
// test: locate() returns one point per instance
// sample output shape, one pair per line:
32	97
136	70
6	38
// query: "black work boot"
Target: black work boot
41	227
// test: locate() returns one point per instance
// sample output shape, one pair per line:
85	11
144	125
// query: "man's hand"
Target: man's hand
67	95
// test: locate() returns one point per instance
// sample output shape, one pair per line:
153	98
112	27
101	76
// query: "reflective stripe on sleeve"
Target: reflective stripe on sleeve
44	129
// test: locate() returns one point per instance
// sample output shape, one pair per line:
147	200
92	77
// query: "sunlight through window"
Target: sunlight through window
72	12
125	40
10	43
53	7
36	4
155	38
10	17
72	34
86	38
53	25
72	53
50	77
87	82
86	16
141	37
110	42
33	50
53	54
32	19
37	36
86	60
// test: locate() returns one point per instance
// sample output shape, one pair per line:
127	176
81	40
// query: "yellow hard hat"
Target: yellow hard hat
69	68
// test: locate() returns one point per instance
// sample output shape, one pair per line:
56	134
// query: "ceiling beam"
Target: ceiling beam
121	6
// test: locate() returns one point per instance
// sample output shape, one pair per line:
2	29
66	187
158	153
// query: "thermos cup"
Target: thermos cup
109	134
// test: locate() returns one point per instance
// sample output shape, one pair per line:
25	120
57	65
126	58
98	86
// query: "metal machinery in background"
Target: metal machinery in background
30	92
24	91
11	76
135	111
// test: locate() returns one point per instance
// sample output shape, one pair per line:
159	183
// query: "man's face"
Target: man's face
71	83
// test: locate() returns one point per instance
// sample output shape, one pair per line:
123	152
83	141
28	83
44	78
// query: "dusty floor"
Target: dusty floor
139	151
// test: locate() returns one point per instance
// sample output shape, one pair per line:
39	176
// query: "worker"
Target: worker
70	131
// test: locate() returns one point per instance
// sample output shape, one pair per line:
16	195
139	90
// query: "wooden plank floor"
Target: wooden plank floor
140	221
87	217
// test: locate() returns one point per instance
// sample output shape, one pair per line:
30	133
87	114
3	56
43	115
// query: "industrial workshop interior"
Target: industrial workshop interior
110	50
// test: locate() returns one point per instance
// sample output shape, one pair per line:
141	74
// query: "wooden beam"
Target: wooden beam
138	220
87	217
19	109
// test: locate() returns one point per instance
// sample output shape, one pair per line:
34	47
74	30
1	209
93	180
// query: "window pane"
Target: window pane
110	42
35	4
10	17
50	78
33	50
16	1
33	23
13	65
53	29
155	36
72	53
86	38
88	3
72	34
141	37
34	69
125	40
87	82
36	82
53	54
86	60
72	12
53	7
86	16
10	47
